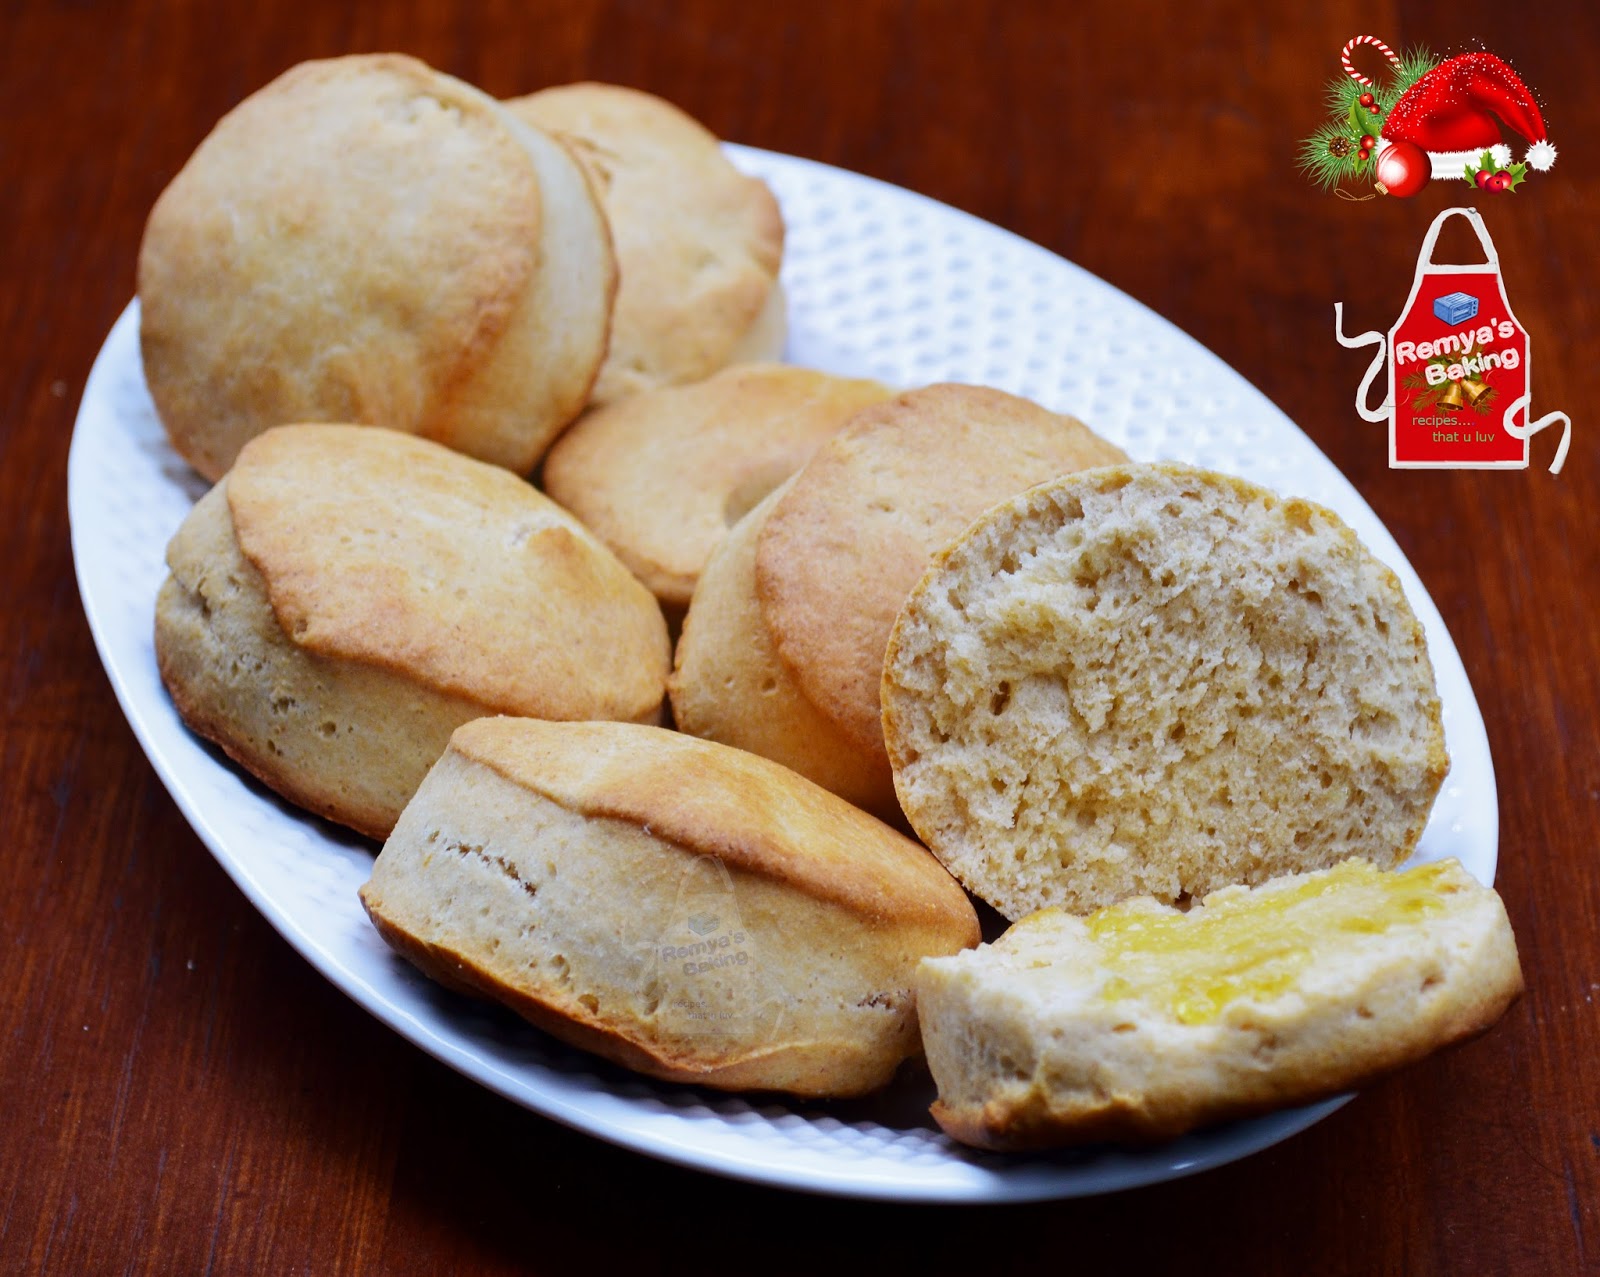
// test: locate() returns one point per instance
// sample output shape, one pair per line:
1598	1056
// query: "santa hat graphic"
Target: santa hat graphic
1455	113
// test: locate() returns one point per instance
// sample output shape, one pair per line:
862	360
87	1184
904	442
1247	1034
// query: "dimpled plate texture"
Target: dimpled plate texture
882	283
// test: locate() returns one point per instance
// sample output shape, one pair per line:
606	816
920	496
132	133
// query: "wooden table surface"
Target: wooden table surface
181	1093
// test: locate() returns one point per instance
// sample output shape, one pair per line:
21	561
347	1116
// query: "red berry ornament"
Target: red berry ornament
1363	153
1482	178
1366	99
1500	181
1368	142
1403	169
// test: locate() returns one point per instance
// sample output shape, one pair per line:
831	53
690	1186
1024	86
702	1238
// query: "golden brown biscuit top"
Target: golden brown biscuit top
845	545
699	243
379	547
282	203
662	476
713	800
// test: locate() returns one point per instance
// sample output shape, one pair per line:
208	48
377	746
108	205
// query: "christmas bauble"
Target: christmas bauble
1403	169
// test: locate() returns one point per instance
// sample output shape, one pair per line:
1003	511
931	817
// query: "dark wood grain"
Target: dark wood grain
180	1093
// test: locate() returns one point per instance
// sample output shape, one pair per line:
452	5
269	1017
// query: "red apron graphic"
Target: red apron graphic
1459	368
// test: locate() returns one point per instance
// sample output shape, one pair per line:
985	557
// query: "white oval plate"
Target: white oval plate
881	283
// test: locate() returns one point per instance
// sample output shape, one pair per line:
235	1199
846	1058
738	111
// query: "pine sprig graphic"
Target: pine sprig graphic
1331	156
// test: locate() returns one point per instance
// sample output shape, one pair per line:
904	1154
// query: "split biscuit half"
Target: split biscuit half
1158	680
1141	1022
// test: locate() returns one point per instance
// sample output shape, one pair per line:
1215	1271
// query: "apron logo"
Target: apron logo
1459	368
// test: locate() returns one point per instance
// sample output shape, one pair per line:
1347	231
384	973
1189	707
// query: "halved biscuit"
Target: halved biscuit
1158	680
368	240
1141	1022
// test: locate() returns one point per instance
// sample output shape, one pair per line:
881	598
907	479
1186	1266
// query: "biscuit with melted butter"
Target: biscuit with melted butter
1141	1022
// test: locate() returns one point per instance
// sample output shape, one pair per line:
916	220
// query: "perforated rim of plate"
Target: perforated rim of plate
882	283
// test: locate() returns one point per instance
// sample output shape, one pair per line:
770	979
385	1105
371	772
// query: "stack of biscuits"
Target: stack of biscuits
933	642
369	240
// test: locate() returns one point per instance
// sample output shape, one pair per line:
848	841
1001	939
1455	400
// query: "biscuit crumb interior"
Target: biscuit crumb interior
1152	680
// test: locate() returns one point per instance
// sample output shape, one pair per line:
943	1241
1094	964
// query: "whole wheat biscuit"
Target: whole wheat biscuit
1141	1022
347	596
728	684
690	911
1158	680
699	243
661	476
834	558
368	240
768	336
855	532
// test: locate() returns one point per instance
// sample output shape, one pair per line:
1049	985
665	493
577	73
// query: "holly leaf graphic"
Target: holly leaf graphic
1518	172
1486	162
1472	173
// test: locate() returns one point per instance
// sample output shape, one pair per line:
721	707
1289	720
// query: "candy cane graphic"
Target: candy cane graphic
1379	45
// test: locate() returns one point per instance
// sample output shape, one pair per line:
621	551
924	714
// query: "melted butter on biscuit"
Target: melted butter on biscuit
1252	944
